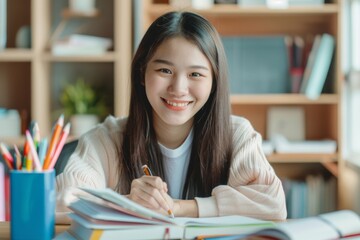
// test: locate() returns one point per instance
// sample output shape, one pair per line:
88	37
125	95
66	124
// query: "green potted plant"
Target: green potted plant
84	105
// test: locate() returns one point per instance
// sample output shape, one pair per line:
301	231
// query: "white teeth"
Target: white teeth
176	104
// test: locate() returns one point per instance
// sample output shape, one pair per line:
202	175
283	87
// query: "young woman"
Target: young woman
204	161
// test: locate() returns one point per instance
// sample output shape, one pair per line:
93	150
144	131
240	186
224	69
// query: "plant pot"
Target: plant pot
81	123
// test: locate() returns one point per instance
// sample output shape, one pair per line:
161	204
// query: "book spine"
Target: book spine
321	67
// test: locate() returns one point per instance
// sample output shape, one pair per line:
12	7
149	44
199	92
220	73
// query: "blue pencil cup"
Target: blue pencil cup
32	203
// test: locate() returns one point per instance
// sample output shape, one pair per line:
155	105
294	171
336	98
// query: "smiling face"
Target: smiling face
178	81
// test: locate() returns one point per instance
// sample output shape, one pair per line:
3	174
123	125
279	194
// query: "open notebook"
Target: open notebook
343	224
108	215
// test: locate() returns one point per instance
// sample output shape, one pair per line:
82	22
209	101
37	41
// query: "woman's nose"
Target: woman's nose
179	85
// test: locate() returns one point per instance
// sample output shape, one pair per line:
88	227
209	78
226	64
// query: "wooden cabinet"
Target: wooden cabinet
31	79
322	116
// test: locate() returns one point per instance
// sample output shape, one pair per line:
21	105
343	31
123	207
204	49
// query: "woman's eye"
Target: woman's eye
195	74
164	70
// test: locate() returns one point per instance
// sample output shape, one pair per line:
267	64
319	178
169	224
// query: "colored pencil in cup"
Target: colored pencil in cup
53	142
29	162
36	136
7	156
25	154
60	145
33	151
42	150
17	157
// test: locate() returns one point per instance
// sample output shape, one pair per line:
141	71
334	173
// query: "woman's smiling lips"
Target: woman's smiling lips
176	105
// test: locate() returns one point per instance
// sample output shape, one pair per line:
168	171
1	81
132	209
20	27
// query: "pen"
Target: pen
148	172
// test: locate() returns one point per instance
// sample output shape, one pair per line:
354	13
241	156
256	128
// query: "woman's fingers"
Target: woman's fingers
156	182
149	191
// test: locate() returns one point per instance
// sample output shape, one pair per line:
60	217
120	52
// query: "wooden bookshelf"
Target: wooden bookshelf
36	68
322	116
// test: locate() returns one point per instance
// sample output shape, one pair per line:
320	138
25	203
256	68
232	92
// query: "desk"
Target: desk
5	230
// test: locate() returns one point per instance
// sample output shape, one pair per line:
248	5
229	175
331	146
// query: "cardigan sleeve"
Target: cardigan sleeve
253	188
92	165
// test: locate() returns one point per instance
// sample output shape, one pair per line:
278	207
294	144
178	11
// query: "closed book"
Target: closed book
318	65
109	215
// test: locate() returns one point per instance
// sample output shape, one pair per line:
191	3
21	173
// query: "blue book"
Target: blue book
318	65
257	64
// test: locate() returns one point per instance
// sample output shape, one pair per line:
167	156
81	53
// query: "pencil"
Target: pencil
33	151
53	141
25	154
18	158
42	150
60	145
36	136
7	156
29	162
148	172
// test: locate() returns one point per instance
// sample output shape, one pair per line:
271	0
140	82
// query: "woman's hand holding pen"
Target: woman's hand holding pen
151	192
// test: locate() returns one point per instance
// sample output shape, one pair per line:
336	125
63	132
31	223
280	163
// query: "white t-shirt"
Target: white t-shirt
176	162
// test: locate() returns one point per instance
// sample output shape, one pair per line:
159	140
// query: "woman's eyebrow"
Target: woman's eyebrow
199	66
163	61
171	64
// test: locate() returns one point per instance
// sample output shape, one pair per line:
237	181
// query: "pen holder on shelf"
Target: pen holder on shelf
32	204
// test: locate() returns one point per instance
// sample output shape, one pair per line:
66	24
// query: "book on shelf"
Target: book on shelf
283	145
311	196
317	67
78	44
257	64
105	214
342	224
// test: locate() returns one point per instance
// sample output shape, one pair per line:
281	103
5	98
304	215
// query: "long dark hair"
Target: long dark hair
212	142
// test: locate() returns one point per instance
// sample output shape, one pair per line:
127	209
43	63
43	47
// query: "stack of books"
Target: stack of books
105	214
77	44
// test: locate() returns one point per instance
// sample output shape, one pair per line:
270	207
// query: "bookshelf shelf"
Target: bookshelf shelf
281	99
329	161
301	158
16	55
229	10
67	13
106	57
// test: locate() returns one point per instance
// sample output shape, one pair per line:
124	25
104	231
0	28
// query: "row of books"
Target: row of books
104	214
310	197
279	64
